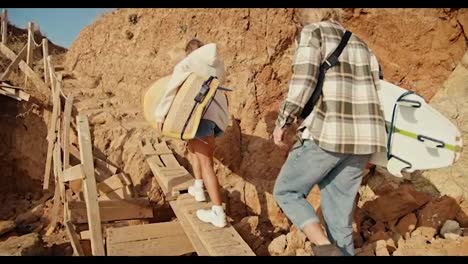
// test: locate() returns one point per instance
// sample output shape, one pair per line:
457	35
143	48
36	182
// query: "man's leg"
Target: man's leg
305	166
338	192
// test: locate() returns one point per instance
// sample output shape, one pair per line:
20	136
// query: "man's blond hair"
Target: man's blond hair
307	16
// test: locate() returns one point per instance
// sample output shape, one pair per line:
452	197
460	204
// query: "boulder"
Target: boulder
425	232
381	248
396	203
6	226
407	224
26	245
450	227
436	212
277	247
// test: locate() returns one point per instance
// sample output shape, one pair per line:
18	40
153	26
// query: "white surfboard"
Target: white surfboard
422	137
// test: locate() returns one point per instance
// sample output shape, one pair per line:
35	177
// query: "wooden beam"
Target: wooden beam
17	93
102	165
115	182
34	78
112	210
45	55
10	95
4	26
123	193
30	50
14	63
51	137
6	85
66	131
74	240
58	191
26	70
52	75
89	185
196	243
217	241
73	173
157	239
59	180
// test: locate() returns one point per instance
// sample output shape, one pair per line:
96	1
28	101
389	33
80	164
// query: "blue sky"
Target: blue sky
60	25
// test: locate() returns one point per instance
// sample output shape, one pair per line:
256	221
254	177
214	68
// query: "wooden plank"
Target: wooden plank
119	194
17	93
171	177
112	210
51	137
89	185
55	211
217	241
14	63
4	26
58	164
74	240
35	79
113	183
158	239
73	173
166	155
45	54
7	52
6	85
85	234
66	130
10	95
196	243
52	75
105	166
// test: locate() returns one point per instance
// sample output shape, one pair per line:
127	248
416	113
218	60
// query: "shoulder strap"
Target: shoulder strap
331	61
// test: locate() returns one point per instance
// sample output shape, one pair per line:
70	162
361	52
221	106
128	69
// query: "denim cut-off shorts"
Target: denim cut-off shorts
208	128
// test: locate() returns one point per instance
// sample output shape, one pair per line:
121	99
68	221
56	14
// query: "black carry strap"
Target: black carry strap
197	100
331	61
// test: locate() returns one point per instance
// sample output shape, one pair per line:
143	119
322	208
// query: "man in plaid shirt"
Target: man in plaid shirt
336	140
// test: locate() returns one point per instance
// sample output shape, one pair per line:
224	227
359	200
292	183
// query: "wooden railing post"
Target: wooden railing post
4	26
45	53
30	50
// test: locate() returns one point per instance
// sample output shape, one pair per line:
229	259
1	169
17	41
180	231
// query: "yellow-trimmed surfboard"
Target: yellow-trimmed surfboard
185	113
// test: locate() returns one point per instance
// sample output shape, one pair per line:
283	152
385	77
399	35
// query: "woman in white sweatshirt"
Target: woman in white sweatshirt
202	60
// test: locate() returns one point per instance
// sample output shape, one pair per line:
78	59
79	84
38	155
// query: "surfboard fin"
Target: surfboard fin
395	166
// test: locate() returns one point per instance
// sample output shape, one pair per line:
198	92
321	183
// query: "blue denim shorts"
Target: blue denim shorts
208	128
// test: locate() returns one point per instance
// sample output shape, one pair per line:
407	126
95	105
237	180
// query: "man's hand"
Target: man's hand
159	128
278	137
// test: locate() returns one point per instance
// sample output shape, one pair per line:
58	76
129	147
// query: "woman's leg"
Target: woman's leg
196	190
204	150
194	160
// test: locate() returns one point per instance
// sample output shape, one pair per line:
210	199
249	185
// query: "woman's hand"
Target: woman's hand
159	128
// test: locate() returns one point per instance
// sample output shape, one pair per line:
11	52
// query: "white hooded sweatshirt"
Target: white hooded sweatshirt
203	61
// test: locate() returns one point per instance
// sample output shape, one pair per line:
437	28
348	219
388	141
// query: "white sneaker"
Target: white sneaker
215	217
197	192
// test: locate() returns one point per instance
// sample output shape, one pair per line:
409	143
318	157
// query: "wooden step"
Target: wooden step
112	210
158	239
170	175
206	238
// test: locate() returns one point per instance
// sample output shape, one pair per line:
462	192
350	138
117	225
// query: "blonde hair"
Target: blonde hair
313	15
192	45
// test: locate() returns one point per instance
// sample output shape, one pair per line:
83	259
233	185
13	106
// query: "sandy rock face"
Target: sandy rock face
115	59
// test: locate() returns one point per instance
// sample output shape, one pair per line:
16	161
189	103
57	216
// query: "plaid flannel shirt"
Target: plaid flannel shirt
348	118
